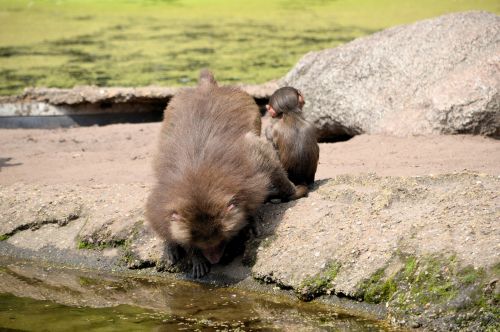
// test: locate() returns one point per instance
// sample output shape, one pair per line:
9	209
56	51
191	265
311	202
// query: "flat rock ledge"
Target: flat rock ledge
425	247
95	94
93	99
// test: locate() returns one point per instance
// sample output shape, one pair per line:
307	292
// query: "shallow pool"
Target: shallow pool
34	298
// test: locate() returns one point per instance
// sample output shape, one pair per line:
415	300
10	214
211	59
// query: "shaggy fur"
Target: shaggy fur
294	138
211	174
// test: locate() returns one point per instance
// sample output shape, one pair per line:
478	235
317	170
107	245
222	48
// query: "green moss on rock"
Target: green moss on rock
320	284
376	289
438	291
4	237
82	244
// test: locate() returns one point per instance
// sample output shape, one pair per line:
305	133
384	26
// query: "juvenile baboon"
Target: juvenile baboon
211	173
293	137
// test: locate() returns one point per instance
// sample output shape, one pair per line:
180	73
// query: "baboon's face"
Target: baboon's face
207	226
302	101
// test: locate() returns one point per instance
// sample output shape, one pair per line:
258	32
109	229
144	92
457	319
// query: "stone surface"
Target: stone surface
92	99
23	210
438	76
65	216
361	222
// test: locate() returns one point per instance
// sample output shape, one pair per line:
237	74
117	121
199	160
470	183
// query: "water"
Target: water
52	299
135	43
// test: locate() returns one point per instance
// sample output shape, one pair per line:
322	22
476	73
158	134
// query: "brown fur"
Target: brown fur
209	180
294	138
268	162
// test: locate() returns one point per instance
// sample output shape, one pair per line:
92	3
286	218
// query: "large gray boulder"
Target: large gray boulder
438	76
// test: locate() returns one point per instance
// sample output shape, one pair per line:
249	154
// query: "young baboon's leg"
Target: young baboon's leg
301	191
268	162
284	188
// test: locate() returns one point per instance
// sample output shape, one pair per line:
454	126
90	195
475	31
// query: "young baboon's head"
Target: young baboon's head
284	100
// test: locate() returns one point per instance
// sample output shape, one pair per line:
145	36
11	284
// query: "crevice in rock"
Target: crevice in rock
336	138
138	264
330	131
306	297
37	224
87	106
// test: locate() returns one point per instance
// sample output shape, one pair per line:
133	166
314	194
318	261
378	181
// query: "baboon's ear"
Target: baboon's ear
271	111
232	204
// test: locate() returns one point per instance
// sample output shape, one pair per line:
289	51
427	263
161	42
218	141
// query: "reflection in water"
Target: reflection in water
36	299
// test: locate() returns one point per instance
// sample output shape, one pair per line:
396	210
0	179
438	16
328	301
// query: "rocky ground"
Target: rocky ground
411	222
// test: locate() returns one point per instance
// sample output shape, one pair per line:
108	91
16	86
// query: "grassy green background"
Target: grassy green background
62	43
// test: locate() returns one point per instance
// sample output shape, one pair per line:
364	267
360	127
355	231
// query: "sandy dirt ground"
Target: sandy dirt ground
122	154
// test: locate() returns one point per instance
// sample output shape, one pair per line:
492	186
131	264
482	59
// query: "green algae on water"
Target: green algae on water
137	43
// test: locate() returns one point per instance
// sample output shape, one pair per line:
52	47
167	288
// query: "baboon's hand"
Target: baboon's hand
170	257
200	266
